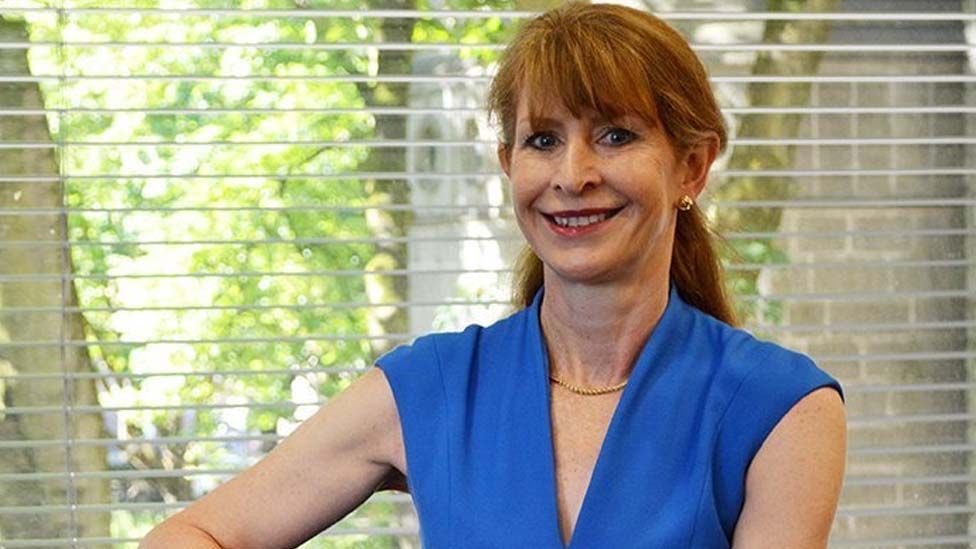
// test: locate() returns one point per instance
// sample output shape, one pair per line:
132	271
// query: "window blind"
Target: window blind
215	215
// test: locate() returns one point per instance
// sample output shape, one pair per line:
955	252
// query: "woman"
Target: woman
619	407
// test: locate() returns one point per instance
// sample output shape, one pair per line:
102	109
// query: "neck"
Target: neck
595	332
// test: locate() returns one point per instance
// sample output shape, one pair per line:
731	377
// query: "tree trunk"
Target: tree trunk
765	157
383	321
21	328
387	224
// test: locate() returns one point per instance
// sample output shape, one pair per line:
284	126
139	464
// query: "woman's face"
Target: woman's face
596	198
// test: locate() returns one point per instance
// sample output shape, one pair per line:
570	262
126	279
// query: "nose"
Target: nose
578	168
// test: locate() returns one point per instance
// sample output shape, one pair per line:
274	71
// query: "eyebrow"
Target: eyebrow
546	122
540	122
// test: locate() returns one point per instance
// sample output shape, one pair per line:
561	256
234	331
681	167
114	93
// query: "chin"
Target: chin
588	272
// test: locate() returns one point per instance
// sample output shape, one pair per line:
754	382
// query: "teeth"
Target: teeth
579	221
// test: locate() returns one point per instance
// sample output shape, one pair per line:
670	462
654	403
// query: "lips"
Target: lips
566	214
577	222
588	212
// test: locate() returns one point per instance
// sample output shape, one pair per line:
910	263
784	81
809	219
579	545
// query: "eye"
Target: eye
618	136
542	141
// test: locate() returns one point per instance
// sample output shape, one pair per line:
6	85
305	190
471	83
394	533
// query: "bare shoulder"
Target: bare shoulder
329	466
368	411
371	398
794	482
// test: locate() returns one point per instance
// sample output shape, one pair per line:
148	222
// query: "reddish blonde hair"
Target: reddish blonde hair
618	60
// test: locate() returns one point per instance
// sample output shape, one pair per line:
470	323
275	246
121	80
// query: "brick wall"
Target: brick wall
876	339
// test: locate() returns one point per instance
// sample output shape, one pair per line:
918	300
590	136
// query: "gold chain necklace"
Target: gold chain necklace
588	391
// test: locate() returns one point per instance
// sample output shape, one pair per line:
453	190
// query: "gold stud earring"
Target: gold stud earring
685	203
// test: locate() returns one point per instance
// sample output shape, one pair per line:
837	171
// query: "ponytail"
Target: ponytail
696	270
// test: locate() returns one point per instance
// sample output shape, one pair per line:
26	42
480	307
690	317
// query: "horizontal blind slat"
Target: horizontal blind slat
330	370
79	409
850	481
730	79
163	441
700	48
822	358
912	233
902	541
854	418
454	112
27	277
159	506
697	15
410	176
408	143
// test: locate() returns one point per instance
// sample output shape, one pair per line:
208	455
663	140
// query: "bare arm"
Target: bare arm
794	482
325	469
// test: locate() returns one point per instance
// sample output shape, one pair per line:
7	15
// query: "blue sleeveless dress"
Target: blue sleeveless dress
474	410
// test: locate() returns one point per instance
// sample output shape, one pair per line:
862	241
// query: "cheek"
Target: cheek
659	183
521	201
525	186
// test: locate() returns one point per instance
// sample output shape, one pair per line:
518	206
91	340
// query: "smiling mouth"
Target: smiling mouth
581	218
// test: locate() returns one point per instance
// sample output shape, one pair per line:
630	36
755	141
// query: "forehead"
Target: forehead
538	107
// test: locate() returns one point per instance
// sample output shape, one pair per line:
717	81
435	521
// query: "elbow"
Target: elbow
175	533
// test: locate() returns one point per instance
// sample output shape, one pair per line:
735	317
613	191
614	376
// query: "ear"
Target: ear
697	162
504	158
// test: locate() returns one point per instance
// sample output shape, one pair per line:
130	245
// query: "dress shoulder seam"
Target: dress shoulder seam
447	437
767	351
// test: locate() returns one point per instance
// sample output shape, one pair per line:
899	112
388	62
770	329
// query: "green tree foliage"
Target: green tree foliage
250	151
219	228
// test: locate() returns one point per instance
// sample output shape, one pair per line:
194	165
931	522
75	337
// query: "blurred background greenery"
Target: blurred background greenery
200	238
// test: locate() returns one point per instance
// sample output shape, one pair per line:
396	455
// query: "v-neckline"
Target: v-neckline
593	484
551	459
